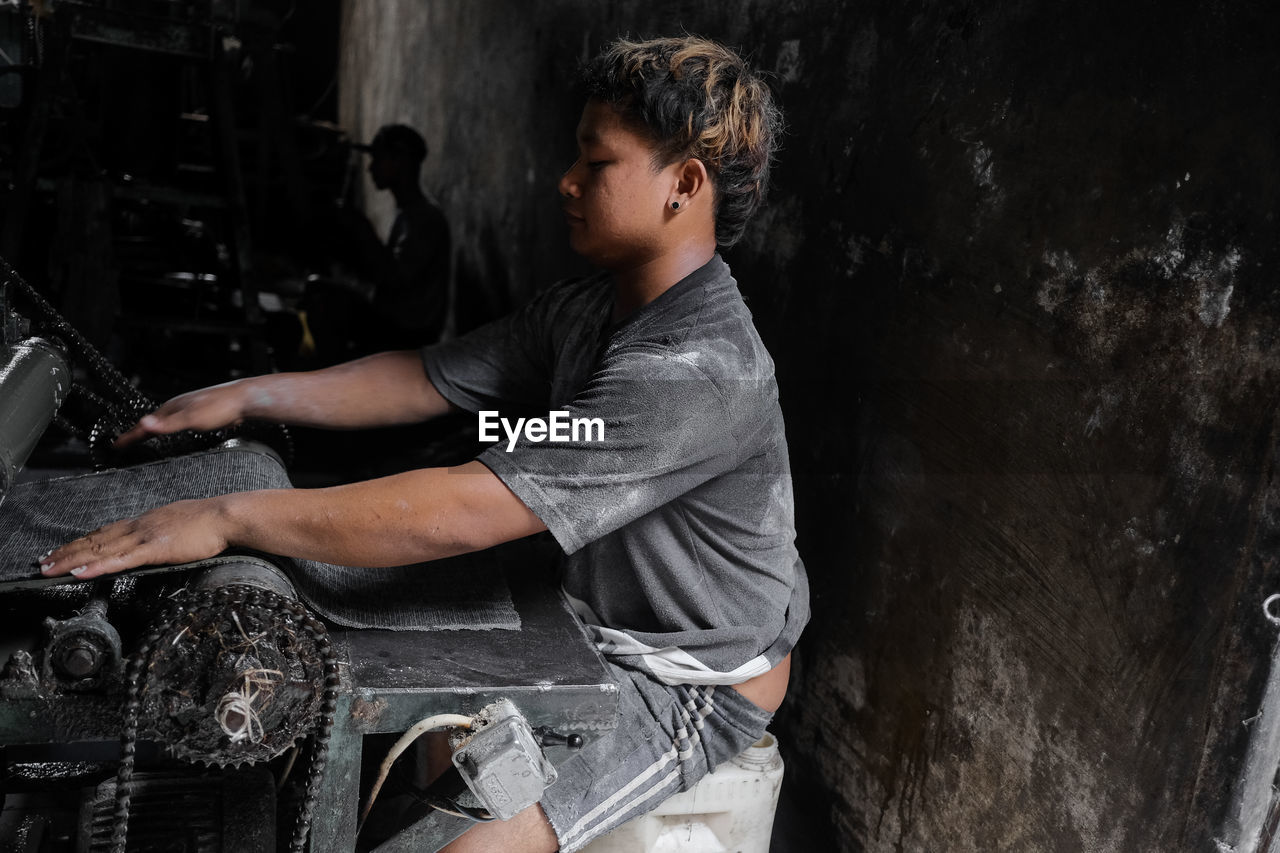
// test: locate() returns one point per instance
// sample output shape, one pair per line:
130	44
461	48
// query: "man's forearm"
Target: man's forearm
406	518
380	390
346	525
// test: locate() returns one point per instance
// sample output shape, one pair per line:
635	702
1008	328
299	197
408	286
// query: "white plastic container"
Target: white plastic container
730	810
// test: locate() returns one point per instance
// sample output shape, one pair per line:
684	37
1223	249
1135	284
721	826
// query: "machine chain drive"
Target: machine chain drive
120	406
259	623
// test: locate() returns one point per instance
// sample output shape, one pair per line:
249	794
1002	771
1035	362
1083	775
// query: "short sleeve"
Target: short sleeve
647	427
505	364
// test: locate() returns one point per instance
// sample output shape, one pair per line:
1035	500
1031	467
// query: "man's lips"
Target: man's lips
571	216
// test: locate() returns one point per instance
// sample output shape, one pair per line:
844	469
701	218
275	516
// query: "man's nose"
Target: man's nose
568	185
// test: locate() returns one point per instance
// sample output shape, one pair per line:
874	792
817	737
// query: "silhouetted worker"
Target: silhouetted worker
411	295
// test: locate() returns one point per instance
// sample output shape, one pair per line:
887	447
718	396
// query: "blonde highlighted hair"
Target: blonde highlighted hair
697	99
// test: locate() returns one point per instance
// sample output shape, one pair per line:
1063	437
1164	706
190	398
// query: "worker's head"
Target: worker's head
396	154
701	109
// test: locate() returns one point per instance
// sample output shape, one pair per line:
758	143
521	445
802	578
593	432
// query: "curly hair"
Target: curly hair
697	99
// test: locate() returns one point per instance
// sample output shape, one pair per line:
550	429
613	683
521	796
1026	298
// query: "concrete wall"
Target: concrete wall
1018	276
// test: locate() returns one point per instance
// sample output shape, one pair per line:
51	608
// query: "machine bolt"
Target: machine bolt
80	660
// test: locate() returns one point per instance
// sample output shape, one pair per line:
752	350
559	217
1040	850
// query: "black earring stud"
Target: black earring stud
675	205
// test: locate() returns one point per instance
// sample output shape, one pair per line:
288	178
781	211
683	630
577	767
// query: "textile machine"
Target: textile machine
228	705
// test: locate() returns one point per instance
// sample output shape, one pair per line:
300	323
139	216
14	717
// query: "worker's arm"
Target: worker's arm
380	390
406	518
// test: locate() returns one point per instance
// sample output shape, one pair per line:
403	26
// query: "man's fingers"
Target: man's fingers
109	549
117	563
132	435
146	427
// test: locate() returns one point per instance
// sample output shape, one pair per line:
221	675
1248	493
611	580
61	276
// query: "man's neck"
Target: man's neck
637	287
405	193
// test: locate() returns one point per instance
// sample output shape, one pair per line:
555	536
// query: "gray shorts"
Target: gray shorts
667	739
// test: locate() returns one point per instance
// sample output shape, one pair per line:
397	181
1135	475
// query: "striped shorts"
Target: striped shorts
667	738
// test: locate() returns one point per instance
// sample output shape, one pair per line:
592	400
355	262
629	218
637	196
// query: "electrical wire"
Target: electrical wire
450	806
475	815
288	768
413	733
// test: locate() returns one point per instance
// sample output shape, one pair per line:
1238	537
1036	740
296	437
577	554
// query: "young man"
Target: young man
675	514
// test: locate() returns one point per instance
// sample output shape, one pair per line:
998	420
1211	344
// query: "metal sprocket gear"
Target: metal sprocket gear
233	685
208	611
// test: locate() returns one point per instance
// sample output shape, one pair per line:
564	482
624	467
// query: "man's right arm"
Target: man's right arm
379	390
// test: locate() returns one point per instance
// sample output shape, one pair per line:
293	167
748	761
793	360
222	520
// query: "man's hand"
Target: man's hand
206	409
177	533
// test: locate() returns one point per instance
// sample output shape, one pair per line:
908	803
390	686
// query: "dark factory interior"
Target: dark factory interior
1015	270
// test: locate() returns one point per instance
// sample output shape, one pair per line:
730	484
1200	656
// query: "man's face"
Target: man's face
614	201
384	167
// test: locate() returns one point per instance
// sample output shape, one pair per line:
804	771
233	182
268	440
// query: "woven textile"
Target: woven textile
36	516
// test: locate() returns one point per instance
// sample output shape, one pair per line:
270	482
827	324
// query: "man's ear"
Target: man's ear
692	183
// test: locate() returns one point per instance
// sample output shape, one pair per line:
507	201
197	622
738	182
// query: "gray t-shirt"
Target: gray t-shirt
677	523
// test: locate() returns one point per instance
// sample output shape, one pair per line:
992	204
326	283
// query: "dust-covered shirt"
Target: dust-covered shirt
673	503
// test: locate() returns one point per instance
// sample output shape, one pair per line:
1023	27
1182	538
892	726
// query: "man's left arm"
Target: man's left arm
406	518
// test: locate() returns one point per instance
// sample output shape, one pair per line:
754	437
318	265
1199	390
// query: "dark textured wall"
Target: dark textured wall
1018	279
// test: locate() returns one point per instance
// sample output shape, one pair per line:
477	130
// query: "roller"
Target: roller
34	380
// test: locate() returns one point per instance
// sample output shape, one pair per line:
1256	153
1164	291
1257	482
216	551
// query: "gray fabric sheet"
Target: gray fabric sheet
463	592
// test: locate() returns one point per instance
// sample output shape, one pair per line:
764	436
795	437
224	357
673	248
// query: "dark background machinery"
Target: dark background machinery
164	170
171	175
